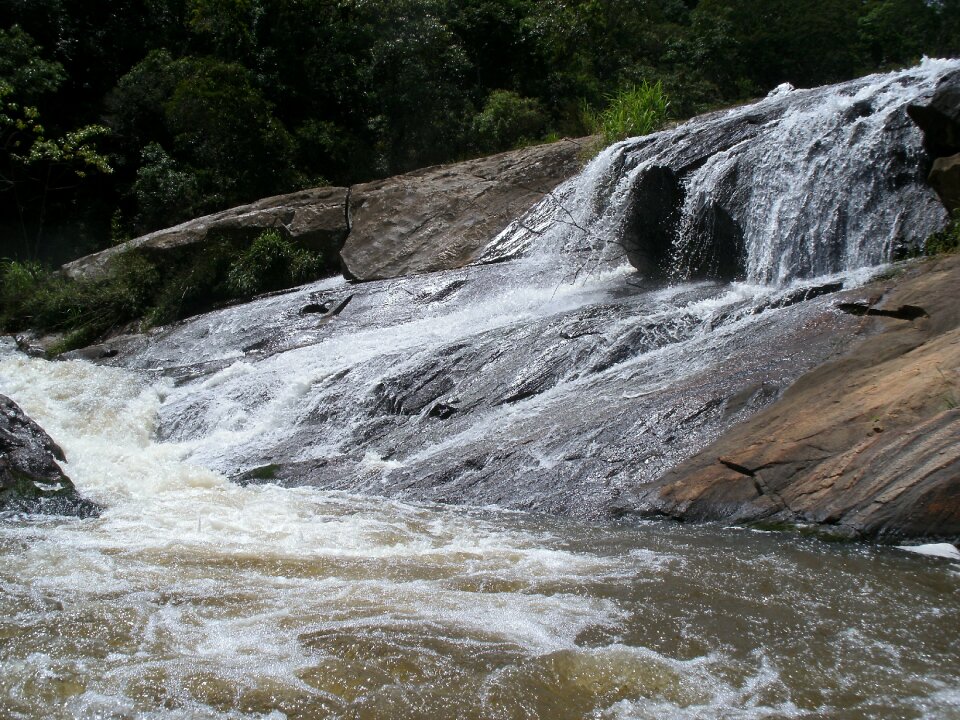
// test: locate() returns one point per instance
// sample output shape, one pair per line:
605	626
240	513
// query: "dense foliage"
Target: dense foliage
143	289
119	118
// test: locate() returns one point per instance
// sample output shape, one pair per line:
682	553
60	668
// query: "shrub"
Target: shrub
946	240
508	120
271	263
139	287
19	281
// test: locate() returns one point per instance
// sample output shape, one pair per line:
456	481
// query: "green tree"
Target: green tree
210	138
37	161
416	71
775	41
896	32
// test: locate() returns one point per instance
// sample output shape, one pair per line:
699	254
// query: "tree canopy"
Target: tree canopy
121	118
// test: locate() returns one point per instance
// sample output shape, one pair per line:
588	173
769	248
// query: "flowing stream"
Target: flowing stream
327	517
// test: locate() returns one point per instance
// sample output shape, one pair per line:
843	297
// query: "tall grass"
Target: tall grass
636	110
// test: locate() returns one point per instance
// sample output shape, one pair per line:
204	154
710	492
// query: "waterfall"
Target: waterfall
675	287
801	184
552	374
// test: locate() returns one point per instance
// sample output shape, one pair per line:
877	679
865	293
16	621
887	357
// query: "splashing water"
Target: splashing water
193	597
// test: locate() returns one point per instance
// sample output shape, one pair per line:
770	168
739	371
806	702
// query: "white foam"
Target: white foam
943	550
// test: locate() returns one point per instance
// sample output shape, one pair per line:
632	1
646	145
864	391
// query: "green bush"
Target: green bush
638	110
271	263
945	241
84	310
508	120
140	288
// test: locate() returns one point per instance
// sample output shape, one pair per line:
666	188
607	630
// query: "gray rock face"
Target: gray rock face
314	219
30	478
439	217
427	220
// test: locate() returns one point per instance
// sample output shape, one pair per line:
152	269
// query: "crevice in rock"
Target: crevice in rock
904	312
736	467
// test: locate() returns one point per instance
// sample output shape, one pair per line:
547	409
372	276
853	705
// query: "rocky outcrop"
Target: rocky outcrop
30	478
868	444
430	219
314	219
940	117
945	179
940	122
439	217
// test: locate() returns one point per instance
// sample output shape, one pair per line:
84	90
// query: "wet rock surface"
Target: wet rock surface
547	375
868	444
31	481
802	184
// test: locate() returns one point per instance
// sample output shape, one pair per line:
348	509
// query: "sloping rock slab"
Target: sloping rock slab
868	445
313	219
439	217
31	481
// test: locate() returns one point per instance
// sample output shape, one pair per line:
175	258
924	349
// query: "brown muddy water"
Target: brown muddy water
192	597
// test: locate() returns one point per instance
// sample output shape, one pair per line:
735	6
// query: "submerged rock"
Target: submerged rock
30	478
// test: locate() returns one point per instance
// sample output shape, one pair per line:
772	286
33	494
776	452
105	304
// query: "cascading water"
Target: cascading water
556	379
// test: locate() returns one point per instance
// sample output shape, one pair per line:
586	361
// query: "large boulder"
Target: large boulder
945	179
430	219
30	478
868	445
314	219
940	122
439	217
940	118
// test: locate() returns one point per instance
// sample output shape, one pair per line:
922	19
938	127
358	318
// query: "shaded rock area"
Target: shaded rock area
439	217
314	219
939	119
31	481
427	220
945	179
868	444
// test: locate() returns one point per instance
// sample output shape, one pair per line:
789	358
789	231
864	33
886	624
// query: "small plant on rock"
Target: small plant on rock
946	240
